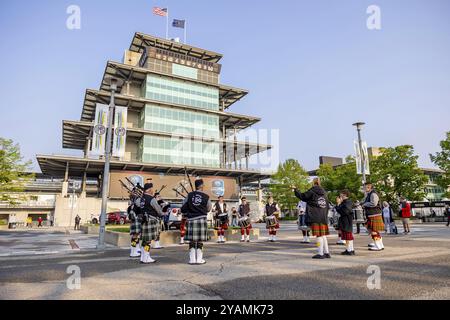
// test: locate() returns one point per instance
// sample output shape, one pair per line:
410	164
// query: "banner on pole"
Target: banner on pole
99	134
360	155
120	132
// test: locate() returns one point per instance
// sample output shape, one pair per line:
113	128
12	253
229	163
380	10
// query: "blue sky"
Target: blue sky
312	67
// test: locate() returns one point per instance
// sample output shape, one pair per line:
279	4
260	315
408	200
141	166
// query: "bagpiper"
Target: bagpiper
317	216
345	223
272	224
244	220
151	225
196	207
135	217
165	208
374	224
221	219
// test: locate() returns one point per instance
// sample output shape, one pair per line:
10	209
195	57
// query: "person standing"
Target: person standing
317	216
151	225
301	209
387	217
406	214
29	222
447	213
196	207
244	221
345	223
374	224
40	222
135	217
358	215
77	223
221	217
272	224
234	217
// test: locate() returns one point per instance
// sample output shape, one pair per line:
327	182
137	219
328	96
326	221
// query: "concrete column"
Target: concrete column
65	184
83	186
235	148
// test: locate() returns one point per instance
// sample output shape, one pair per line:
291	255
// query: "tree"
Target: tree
442	160
339	178
13	174
395	173
290	173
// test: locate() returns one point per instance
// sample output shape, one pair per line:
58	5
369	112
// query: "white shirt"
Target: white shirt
301	207
386	212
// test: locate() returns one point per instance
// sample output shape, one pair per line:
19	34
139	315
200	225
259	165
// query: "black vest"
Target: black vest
148	208
244	210
196	205
217	208
370	211
271	208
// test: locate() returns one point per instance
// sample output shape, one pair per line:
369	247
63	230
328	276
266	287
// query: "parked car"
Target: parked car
119	217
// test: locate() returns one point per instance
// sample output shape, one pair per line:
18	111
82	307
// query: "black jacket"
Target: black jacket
345	222
317	205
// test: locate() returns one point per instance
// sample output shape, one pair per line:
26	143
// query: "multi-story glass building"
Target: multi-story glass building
178	120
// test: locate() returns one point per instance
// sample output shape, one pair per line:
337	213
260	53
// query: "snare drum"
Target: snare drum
244	222
271	222
223	218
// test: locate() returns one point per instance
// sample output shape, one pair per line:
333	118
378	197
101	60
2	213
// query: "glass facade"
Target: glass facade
183	71
171	150
161	88
171	120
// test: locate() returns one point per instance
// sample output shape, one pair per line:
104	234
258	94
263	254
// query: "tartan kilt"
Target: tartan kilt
150	230
135	227
319	229
375	224
196	230
347	235
218	225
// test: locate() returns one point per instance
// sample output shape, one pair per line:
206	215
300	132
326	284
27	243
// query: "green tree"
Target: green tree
442	160
341	177
290	173
13	174
395	173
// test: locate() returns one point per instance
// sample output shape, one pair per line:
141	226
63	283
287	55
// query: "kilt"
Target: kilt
375	223
347	235
150	230
218	225
135	227
319	229
196	230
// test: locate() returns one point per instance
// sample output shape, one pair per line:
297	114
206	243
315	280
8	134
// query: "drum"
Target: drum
217	224
244	222
223	218
271	221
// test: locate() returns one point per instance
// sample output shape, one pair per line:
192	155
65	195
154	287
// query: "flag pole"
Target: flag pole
167	24
185	27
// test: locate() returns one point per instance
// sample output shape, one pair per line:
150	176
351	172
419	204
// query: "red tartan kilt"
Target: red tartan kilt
319	229
249	227
346	235
375	224
224	226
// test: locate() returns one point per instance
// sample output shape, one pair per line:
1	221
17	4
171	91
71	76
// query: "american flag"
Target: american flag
160	11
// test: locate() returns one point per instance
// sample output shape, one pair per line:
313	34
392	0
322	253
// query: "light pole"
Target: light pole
105	185
359	126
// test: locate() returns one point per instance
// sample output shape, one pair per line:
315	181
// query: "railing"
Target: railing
29	204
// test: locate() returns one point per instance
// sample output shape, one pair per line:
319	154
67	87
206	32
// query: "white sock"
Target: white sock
350	246
325	245
320	245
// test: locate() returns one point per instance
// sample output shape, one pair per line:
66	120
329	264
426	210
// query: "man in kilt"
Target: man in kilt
345	223
196	207
151	225
135	217
317	216
271	223
221	219
374	223
244	212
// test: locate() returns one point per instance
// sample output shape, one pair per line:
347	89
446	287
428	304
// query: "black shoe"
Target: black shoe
318	256
248	240
352	253
346	253
327	255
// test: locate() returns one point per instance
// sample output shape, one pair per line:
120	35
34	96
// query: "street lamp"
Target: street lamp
359	126
113	84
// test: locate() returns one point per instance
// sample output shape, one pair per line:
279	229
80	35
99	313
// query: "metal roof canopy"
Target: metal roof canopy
141	39
92	97
227	95
75	134
56	165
